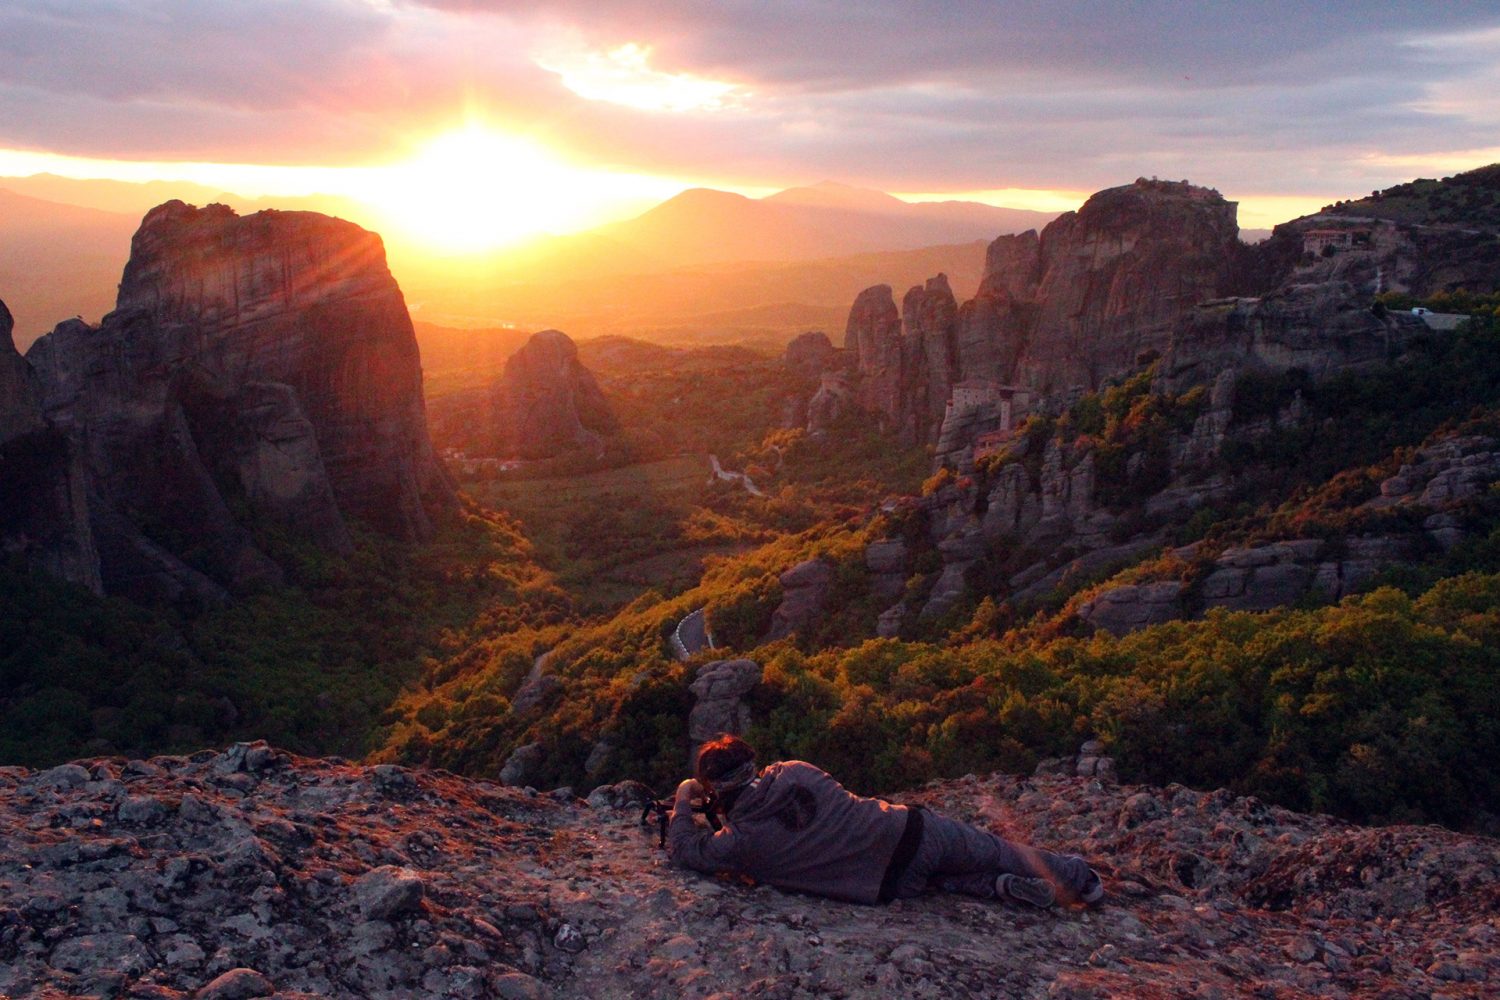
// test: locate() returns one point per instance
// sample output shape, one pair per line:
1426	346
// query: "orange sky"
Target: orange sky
465	124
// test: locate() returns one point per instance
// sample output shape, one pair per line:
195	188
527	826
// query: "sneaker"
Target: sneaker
1036	891
1093	889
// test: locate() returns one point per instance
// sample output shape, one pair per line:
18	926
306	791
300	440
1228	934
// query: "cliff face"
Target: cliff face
547	403
1320	328
256	369
1064	310
43	504
1118	274
306	301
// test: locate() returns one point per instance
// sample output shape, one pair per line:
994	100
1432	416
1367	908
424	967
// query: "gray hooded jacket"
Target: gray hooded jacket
797	828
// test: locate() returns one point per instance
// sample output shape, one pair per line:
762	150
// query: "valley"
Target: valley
948	564
1026	475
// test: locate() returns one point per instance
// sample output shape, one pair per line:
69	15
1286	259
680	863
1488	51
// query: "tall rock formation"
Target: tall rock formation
256	370
872	338
43	502
1117	275
306	301
1065	310
547	403
929	315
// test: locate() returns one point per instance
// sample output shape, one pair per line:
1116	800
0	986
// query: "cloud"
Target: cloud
1278	97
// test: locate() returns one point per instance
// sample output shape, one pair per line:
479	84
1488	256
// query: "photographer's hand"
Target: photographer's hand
688	791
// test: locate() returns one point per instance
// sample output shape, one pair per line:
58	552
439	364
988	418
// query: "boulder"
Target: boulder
388	891
1119	610
237	984
547	403
810	354
719	687
521	766
804	588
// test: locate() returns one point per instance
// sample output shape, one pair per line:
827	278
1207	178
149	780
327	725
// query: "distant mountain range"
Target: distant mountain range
703	264
703	226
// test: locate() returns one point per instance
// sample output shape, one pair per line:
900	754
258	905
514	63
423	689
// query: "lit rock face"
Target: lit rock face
1118	274
258	369
43	503
1084	301
306	301
547	403
872	337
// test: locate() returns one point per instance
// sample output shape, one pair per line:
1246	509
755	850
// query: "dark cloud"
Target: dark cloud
835	44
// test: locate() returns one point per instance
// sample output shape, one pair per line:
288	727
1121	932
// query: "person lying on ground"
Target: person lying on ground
791	825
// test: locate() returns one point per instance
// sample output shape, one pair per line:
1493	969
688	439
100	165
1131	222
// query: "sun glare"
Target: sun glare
472	189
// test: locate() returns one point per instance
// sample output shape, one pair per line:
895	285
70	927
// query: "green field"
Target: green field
612	535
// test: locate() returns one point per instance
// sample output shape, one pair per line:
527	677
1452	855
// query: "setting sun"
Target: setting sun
472	189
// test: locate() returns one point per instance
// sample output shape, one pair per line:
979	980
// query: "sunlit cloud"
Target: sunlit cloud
1436	163
624	76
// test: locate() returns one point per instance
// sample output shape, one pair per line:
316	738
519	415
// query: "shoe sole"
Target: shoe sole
1034	891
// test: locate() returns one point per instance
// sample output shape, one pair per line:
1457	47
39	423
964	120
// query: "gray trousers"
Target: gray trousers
956	857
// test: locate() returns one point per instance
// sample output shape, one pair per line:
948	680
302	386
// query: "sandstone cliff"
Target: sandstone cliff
547	403
260	369
252	873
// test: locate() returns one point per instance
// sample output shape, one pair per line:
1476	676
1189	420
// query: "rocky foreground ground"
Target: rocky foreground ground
254	873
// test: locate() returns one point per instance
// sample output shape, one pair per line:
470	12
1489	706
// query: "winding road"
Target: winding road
691	636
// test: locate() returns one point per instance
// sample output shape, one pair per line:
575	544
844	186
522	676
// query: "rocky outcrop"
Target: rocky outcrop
1126	609
253	872
259	369
828	405
1118	274
1443	477
874	342
521	767
719	688
886	561
810	354
1319	328
306	301
1091	761
1085	301
804	589
929	317
547	403
43	486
